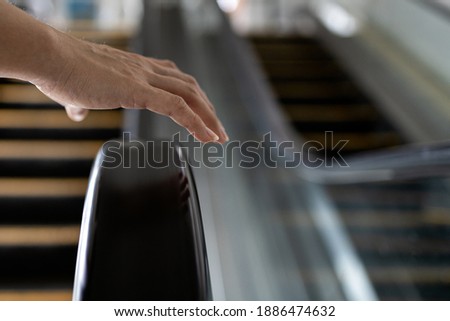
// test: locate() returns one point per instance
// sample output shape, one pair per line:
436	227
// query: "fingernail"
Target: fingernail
212	135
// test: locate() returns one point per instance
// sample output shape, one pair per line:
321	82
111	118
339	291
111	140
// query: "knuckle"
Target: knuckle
191	120
192	90
178	102
178	107
169	63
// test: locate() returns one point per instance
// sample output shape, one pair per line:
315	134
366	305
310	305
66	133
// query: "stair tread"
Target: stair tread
290	51
386	219
36	295
20	235
331	113
316	89
57	119
22	93
49	149
360	141
43	187
46	168
49	210
302	68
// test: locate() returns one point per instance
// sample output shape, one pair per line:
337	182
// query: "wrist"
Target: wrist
30	50
48	60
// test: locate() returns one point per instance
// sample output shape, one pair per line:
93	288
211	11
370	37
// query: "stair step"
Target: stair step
21	235
45	167
359	195
57	119
393	274
352	126
58	134
331	113
37	210
379	220
316	90
30	106
359	141
303	70
399	274
36	295
290	52
391	219
22	93
415	292
44	187
277	39
395	243
37	267
49	149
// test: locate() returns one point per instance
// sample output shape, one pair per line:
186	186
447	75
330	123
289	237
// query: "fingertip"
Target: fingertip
206	135
213	137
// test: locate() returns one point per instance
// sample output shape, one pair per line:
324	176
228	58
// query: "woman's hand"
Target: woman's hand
87	76
81	75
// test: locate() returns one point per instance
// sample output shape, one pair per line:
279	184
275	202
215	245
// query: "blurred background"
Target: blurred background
374	73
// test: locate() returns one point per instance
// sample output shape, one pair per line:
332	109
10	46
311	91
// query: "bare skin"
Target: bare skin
81	75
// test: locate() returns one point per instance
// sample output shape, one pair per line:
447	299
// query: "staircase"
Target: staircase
318	95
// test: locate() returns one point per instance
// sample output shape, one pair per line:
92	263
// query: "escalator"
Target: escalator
400	229
376	230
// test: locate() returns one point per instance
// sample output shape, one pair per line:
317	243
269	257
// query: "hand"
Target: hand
87	76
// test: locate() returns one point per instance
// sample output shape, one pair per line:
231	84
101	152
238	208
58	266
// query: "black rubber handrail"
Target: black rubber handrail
141	236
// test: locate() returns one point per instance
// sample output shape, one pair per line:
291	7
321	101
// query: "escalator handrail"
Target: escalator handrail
91	222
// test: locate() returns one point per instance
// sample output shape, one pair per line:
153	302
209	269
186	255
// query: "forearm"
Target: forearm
26	45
